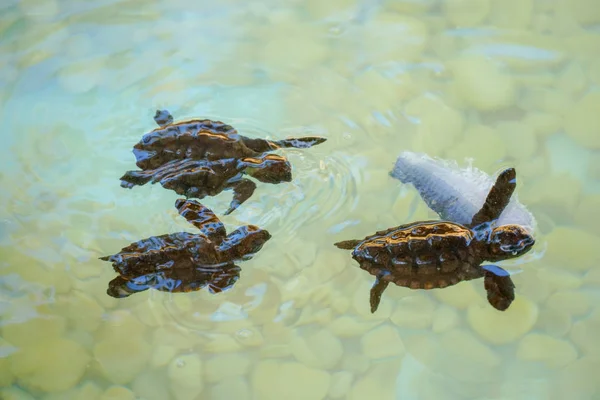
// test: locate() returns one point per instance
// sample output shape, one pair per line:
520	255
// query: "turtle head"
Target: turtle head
243	242
163	117
508	241
270	168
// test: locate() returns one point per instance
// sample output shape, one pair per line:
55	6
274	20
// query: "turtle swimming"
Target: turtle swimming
182	261
437	254
204	139
199	158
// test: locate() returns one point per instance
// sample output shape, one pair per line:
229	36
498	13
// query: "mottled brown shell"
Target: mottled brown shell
423	255
196	139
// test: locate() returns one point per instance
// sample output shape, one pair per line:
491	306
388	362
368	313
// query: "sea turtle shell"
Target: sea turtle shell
192	139
421	255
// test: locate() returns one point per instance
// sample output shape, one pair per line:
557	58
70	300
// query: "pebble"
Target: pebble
572	79
585	11
582	122
378	383
439	125
6	375
463	356
559	279
117	393
14	393
572	248
236	388
543	195
273	380
555	353
572	302
512	14
409	6
500	327
519	139
320	349
121	359
84	311
355	362
34	330
543	124
224	367
584	334
327	266
579	379
341	382
185	376
222	344
415	312
411	37
293	48
585	214
383	341
482	84
476	139
460	296
445	318
466	12
554	322
151	385
162	355
50	365
592	277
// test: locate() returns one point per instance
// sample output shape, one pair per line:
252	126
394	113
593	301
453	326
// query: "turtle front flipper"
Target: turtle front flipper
163	117
347	244
202	218
300	143
376	292
497	199
499	286
242	191
264	145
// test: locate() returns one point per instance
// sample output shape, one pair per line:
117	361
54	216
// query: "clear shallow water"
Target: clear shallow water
502	82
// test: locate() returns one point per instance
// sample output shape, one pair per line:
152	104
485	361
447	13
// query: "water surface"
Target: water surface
504	83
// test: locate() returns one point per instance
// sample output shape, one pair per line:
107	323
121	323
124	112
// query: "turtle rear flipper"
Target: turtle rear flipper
202	218
376	292
497	199
499	286
135	178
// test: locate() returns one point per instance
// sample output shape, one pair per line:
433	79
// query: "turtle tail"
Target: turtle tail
347	244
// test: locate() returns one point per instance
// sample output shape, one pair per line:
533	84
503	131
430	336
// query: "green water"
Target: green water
501	82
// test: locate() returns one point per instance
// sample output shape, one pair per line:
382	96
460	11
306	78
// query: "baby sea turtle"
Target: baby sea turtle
201	158
437	254
201	178
203	139
182	261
